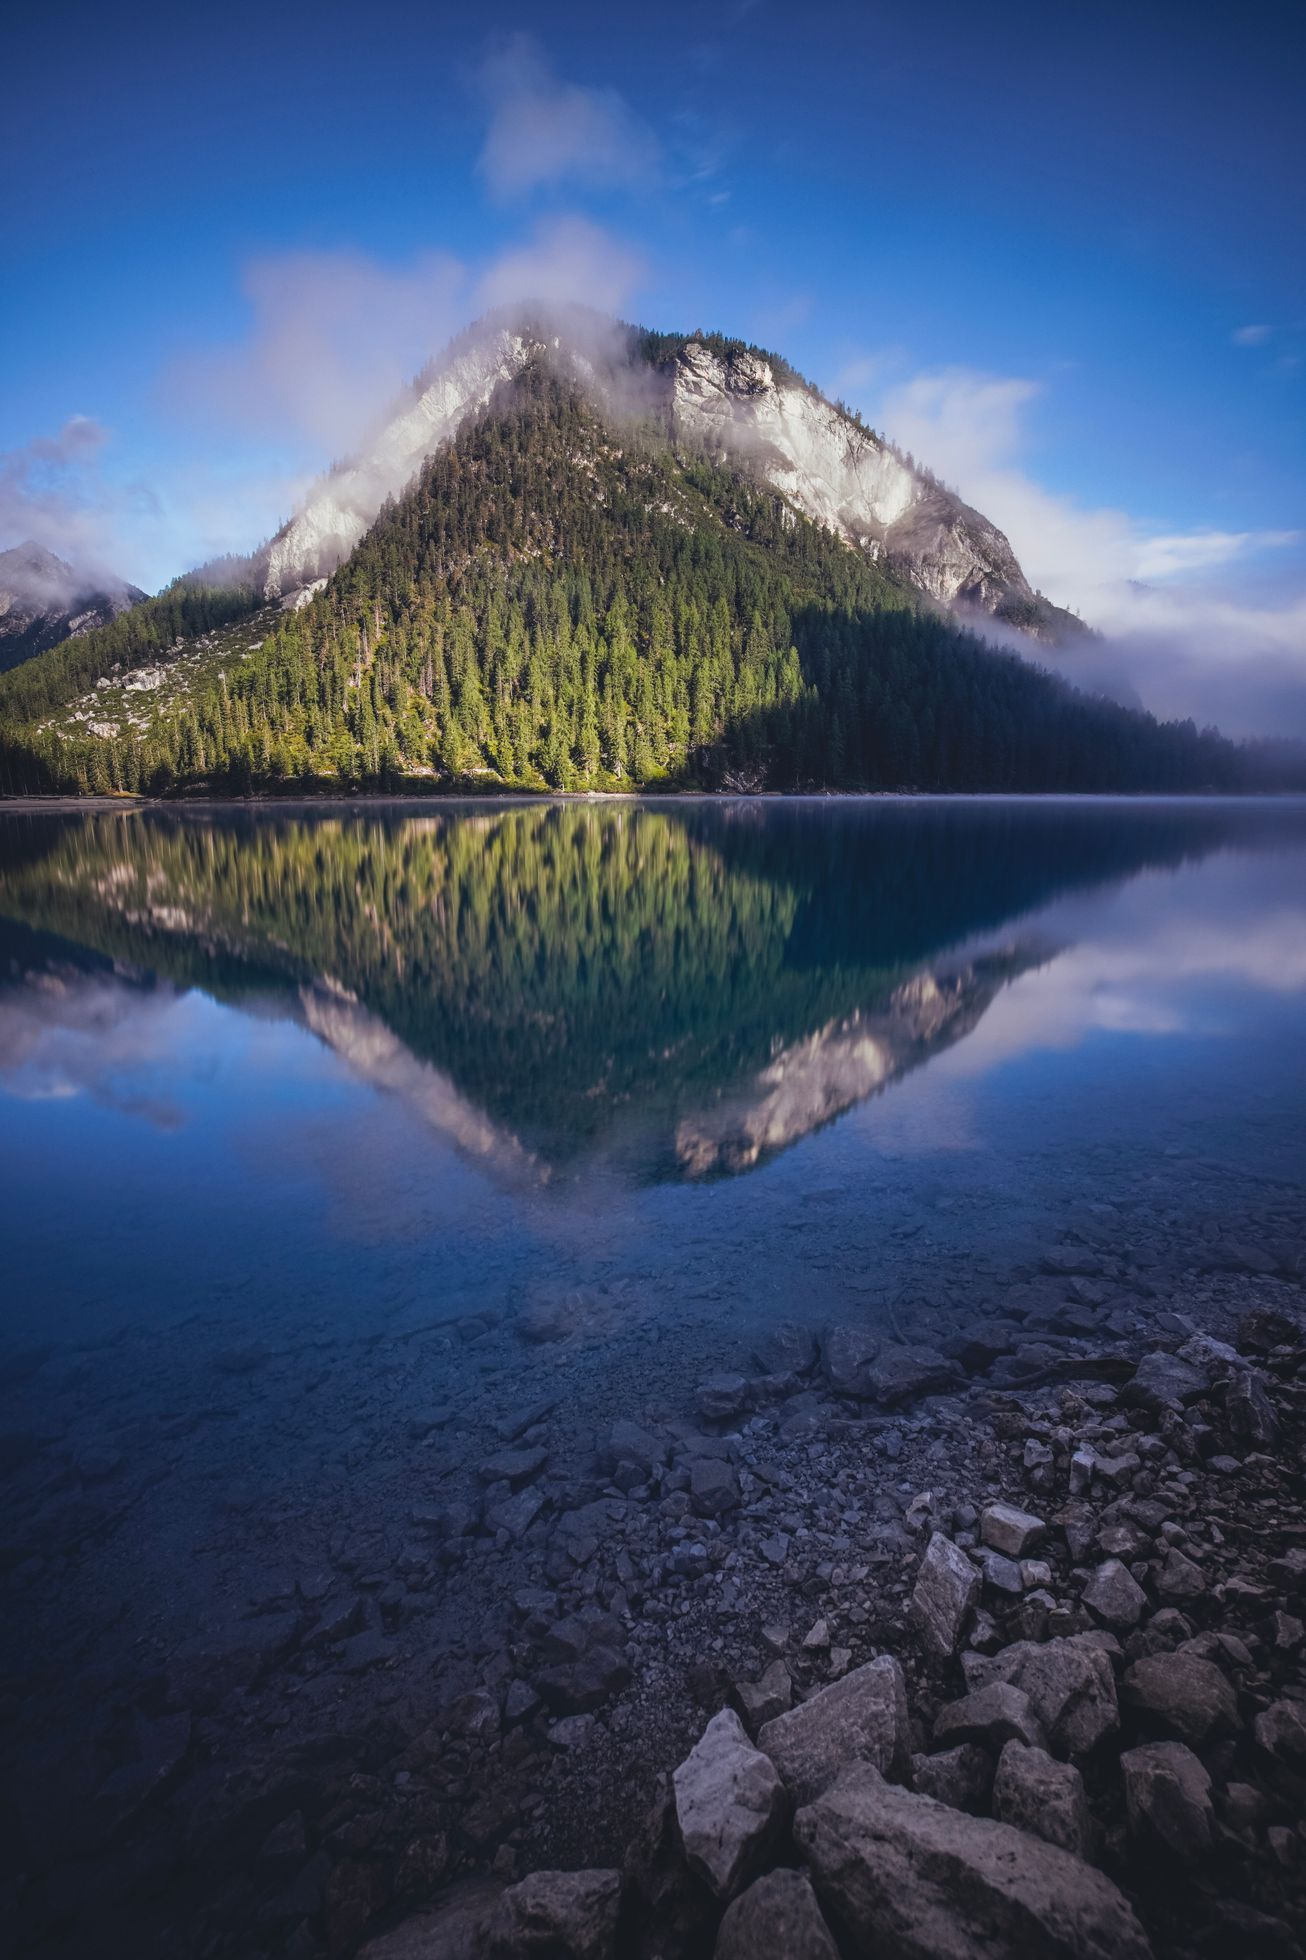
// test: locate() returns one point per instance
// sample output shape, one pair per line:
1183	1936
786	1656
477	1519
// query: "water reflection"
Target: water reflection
682	990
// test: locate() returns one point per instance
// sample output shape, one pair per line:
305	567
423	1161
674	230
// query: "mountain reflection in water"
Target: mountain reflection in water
682	990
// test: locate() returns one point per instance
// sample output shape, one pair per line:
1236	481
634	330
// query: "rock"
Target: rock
713	1487
202	1670
1114	1596
1180	1577
1182	1696
777	1918
730	1806
1168	1800
1034	1792
901	1373
761	1701
1012	1532
905	1876
557	1915
513	1467
1263	1328
861	1719
846	1357
1069	1683
575	1687
961	1777
1164	1381
992	1716
1250	1411
946	1592
629	1443
1280	1730
1001	1574
722	1396
788	1350
515	1515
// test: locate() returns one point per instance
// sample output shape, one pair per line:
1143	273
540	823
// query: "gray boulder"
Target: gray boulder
1114	1596
777	1918
1034	1792
861	1719
993	1716
946	1592
846	1357
1011	1531
904	1876
1069	1683
557	1915
1168	1800
961	1777
1280	1731
1182	1696
730	1806
713	1487
1165	1381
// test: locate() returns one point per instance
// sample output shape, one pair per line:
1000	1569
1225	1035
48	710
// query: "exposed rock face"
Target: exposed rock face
734	404
861	1719
730	1805
43	601
905	1875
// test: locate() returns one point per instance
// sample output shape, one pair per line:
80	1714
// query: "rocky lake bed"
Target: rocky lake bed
955	1628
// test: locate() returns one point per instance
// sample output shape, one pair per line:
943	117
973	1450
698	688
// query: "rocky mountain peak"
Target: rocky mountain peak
44	600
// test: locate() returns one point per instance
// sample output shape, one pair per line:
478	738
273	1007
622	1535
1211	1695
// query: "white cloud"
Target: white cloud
53	491
1253	336
566	260
545	131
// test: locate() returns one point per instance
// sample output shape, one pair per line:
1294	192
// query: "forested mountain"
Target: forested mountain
43	601
572	596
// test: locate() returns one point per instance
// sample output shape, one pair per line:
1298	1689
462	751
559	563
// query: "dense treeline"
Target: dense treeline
557	606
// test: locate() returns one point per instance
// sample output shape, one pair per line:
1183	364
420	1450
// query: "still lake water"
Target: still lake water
329	1139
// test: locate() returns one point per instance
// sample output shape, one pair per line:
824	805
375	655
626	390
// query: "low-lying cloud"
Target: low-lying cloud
1186	627
53	492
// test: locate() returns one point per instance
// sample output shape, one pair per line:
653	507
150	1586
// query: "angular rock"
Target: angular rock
901	1372
846	1357
1280	1730
575	1687
629	1443
1010	1531
946	1592
515	1515
1164	1381
777	1918
789	1349
907	1877
1182	1696
961	1777
1251	1412
557	1915
762	1700
713	1487
861	1719
514	1467
1180	1577
1168	1800
1114	1596
993	1716
1069	1683
1034	1792
722	1396
730	1806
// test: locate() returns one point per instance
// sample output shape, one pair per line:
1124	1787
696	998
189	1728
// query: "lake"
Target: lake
340	1148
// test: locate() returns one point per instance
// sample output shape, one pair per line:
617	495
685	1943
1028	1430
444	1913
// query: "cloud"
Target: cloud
567	260
331	336
544	131
1187	630
52	491
1253	336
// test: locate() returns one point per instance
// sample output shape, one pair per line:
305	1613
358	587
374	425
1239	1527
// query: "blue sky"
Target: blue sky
1058	252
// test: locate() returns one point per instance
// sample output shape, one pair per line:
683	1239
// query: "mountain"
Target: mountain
43	601
726	399
625	561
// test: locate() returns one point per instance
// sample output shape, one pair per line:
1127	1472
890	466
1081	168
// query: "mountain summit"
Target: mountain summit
43	601
599	560
719	396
